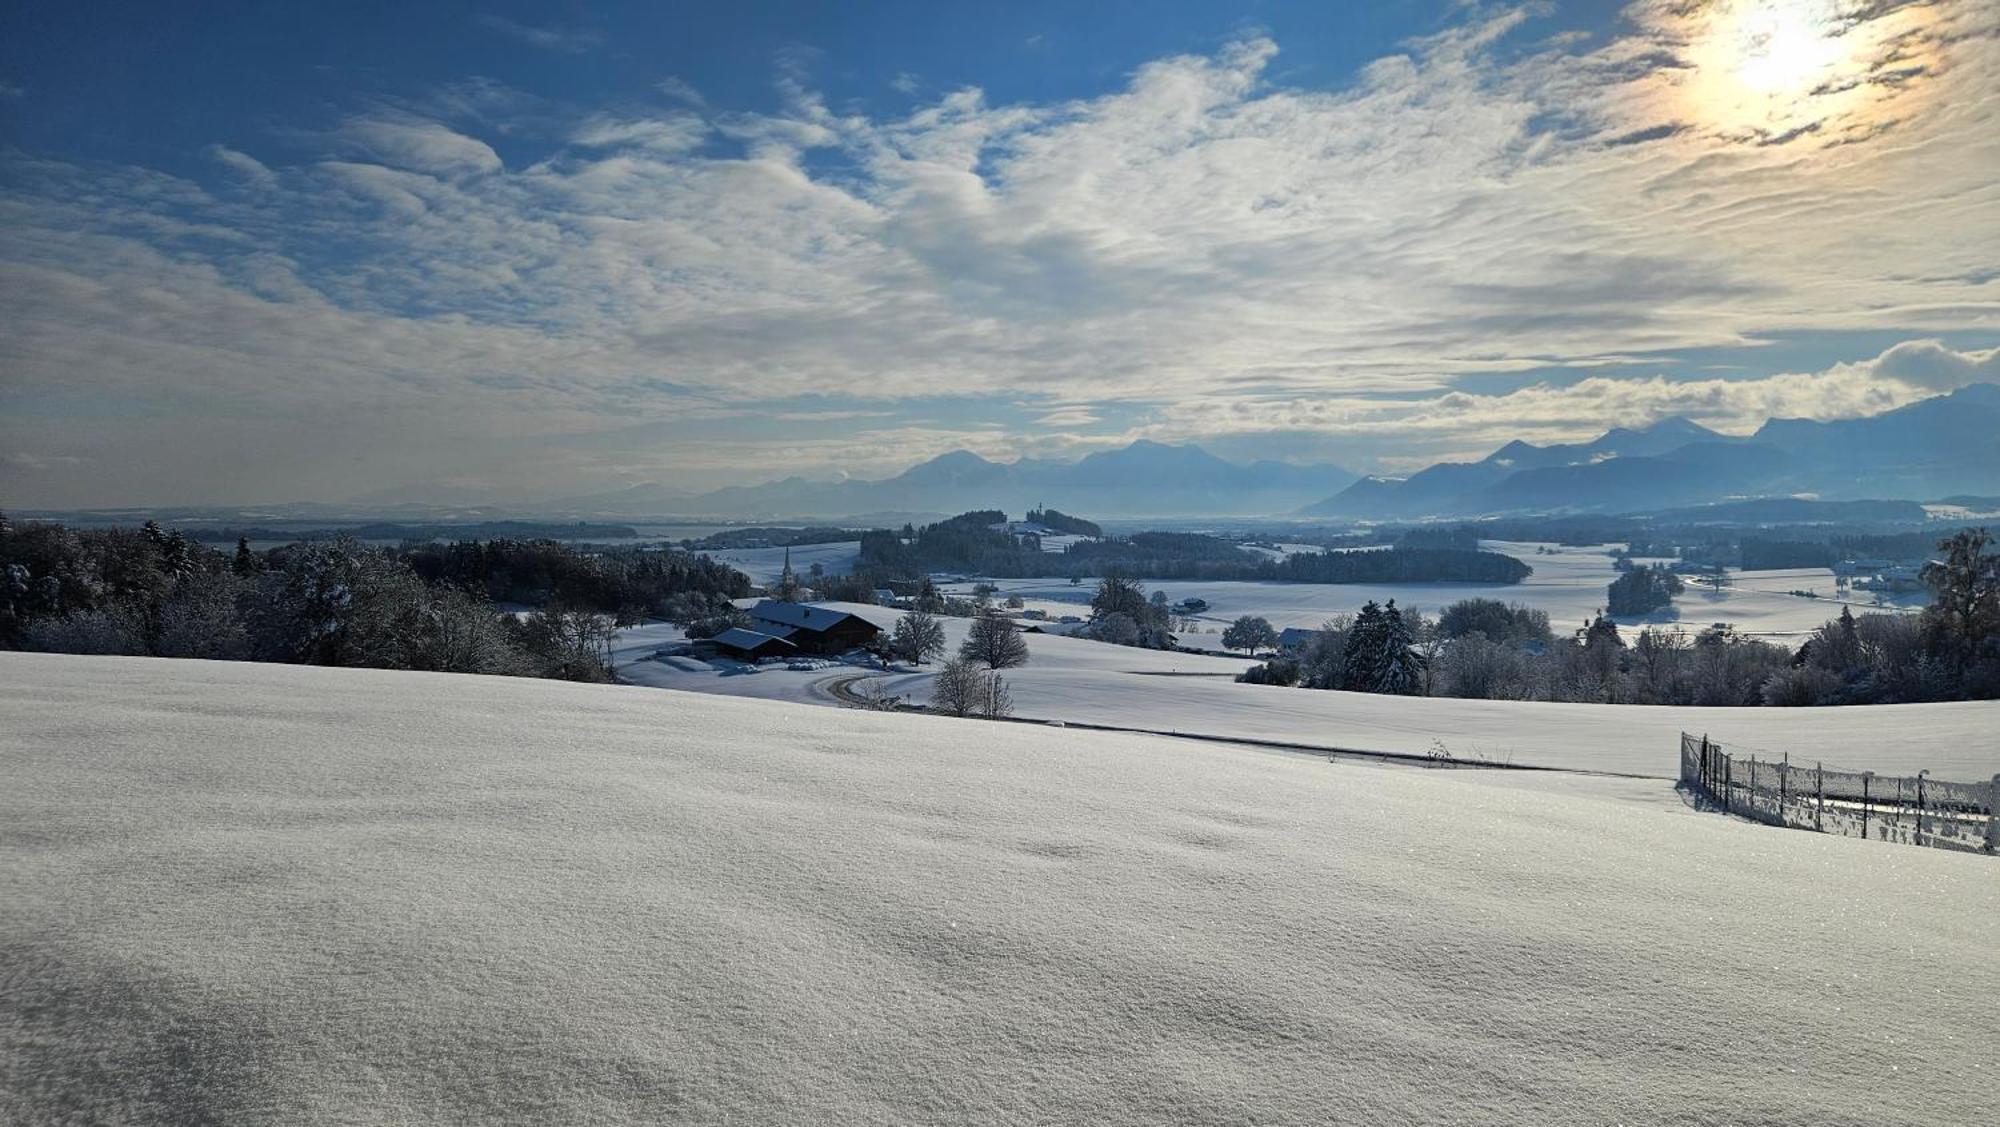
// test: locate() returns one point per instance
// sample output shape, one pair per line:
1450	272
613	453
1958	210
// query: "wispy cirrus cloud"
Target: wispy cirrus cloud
1199	254
566	40
244	165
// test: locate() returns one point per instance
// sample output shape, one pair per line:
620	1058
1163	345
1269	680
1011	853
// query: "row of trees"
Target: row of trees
1481	648
970	683
970	542
338	602
627	582
1373	652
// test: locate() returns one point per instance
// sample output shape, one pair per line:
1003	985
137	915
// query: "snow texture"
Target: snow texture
272	894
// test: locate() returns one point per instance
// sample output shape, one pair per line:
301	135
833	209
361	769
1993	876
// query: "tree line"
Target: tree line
1485	649
970	543
156	592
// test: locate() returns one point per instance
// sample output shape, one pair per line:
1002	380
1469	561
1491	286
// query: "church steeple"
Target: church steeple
788	580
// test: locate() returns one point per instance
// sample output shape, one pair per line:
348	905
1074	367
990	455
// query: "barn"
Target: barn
751	645
817	630
1294	638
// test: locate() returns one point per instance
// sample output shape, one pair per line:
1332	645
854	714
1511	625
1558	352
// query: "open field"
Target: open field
1569	585
764	565
1080	681
255	893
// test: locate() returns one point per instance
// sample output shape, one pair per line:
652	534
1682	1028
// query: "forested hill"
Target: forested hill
968	543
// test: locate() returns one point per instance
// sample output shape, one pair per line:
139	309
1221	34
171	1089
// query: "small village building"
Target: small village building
751	645
814	630
1294	637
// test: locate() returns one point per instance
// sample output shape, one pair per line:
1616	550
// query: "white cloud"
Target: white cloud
1410	433
1201	247
1930	365
40	463
425	146
680	90
243	164
564	40
675	134
1068	417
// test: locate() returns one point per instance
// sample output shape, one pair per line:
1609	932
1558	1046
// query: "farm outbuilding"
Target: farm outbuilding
817	630
751	645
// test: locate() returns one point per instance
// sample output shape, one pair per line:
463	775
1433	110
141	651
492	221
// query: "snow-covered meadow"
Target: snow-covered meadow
259	893
1569	584
1076	680
764	565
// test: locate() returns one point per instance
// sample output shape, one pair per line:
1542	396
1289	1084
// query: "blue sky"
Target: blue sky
267	252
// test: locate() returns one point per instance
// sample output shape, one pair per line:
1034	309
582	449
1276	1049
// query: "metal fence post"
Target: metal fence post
1993	817
1785	784
1819	795
1920	804
1865	777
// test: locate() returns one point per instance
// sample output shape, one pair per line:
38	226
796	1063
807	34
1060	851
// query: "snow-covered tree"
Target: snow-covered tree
1398	670
1359	670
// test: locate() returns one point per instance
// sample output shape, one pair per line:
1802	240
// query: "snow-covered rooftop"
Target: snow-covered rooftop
798	615
742	639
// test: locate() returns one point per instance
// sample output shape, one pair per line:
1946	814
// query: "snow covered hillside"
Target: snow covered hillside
261	893
1081	681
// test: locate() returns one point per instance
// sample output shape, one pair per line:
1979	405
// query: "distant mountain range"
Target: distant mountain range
1145	479
1924	451
1931	448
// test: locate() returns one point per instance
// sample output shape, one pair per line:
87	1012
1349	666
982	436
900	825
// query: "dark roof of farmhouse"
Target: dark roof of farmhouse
801	616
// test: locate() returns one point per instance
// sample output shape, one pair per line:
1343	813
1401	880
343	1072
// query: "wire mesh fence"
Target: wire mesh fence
1915	809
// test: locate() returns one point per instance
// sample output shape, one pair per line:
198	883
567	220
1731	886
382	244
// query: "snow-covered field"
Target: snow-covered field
255	893
764	565
1569	584
1076	680
1053	656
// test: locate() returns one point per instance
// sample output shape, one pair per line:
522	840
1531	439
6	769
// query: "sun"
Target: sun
1785	50
1766	65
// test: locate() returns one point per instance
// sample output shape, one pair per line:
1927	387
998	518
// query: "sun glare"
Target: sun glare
1785	50
1771	65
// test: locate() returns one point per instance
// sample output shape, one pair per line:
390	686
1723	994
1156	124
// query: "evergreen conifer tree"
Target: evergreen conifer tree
1358	669
1398	671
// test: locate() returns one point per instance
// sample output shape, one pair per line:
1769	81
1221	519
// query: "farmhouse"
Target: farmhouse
819	630
750	645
